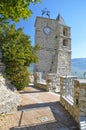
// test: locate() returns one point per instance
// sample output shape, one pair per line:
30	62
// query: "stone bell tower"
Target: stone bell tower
64	47
53	35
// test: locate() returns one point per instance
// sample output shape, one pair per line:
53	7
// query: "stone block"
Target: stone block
9	98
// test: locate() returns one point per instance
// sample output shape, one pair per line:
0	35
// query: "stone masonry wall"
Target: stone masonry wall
65	90
50	84
80	102
9	98
80	98
52	81
39	82
54	55
77	108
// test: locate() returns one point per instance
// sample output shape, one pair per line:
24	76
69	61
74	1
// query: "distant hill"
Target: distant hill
79	66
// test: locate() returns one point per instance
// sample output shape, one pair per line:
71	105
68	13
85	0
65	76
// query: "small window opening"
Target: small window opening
65	32
77	102
50	70
65	42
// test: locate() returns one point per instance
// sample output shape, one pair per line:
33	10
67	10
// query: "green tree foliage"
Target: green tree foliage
17	48
18	75
18	53
15	9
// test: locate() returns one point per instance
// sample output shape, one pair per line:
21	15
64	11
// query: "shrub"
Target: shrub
19	76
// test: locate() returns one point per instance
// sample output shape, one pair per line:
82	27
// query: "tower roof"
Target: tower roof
60	19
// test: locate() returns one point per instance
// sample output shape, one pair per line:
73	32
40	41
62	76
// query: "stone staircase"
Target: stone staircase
9	98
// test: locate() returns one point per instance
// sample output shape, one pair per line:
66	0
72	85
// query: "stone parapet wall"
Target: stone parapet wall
67	94
77	108
37	77
50	84
42	86
80	102
53	82
31	78
68	105
80	96
39	82
67	87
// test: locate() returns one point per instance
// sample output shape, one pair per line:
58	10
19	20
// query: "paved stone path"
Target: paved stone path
39	110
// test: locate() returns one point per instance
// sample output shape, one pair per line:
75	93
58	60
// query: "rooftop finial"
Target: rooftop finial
46	12
60	19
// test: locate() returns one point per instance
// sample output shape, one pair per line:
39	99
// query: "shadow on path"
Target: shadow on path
63	121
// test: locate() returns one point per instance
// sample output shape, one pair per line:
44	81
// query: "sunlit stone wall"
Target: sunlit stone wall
77	106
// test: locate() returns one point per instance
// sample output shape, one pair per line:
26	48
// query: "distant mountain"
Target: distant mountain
78	66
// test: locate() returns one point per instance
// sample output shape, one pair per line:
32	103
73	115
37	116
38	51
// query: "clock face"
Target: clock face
47	30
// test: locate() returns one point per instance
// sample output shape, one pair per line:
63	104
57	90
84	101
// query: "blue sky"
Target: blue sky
74	14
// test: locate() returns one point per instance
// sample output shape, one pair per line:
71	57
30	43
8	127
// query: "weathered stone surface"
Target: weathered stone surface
50	84
55	53
39	82
9	98
78	108
31	77
53	82
83	92
80	94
